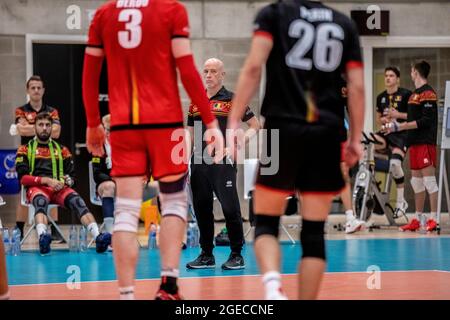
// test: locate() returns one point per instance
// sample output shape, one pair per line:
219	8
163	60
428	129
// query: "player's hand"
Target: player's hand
385	120
393	114
390	127
215	141
95	139
54	184
353	152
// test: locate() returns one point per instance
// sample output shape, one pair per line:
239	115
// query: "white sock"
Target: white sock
173	273
127	293
41	229
93	229
109	224
272	283
418	214
349	215
400	196
433	216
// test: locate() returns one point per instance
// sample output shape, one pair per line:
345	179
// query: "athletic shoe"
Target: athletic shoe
235	262
413	225
164	295
431	225
354	225
203	261
44	243
400	209
102	242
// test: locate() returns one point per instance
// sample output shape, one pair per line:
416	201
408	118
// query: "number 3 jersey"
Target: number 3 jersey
313	46
136	37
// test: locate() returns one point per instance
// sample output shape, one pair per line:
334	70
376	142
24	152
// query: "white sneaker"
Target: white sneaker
276	295
354	225
400	209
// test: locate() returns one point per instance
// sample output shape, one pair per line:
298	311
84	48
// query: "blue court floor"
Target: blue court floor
343	256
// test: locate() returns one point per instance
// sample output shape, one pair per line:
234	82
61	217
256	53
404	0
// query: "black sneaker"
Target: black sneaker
203	261
235	262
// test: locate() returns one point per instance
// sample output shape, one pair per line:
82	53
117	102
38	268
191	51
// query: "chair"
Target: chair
31	211
250	170
93	196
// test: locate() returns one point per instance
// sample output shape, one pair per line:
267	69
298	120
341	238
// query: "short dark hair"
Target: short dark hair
35	78
422	67
43	116
394	70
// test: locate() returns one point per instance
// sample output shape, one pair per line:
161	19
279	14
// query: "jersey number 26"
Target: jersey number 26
327	40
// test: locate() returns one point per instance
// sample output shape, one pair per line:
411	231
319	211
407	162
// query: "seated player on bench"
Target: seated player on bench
105	186
46	169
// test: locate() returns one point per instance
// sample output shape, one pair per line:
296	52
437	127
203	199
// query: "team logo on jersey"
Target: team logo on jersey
415	98
398	98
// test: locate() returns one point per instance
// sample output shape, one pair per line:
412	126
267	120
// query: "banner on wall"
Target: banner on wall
9	183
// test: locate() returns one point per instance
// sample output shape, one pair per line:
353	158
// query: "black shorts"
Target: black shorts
309	158
396	140
100	178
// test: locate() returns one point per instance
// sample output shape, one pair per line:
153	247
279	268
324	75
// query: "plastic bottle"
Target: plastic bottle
152	238
73	239
196	234
15	242
6	242
423	224
83	239
190	237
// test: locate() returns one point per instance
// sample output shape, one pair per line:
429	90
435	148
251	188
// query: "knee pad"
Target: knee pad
395	167
126	215
173	197
75	203
417	184
40	204
430	184
265	224
312	239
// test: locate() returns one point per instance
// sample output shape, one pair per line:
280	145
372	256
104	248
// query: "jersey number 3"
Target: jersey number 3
327	40
132	35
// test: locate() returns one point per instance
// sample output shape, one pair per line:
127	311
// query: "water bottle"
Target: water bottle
6	242
196	234
15	242
73	239
152	238
83	239
190	238
423	224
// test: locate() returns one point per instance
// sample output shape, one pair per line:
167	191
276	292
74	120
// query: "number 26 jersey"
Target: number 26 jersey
313	47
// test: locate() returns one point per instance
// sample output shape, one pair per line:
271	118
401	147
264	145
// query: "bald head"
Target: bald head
213	74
